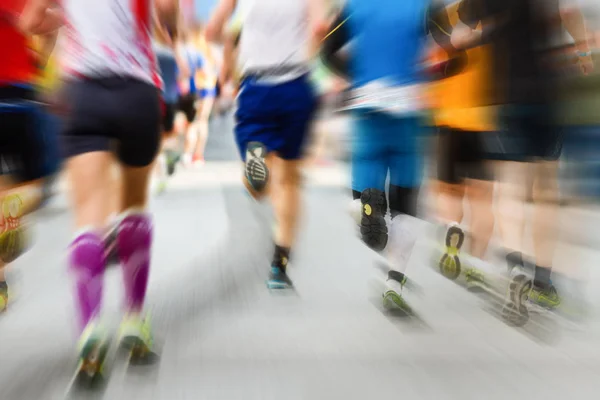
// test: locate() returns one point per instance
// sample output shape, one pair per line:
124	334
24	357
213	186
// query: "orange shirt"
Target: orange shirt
460	101
18	62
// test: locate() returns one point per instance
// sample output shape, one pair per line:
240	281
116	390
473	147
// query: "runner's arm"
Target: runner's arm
47	43
318	24
165	34
476	27
438	25
232	38
338	37
183	65
216	25
40	17
167	12
574	23
466	33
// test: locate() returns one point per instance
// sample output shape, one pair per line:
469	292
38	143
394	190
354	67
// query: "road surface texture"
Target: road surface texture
222	335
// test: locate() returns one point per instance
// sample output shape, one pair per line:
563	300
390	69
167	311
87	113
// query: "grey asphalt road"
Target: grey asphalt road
222	335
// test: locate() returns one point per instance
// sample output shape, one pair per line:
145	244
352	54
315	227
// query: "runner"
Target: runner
388	122
275	107
113	102
463	122
229	74
206	84
47	86
188	100
21	151
170	66
520	33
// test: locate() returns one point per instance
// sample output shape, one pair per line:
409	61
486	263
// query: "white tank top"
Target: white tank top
274	33
109	37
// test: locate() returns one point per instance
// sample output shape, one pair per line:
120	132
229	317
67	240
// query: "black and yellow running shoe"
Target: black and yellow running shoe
449	264
373	227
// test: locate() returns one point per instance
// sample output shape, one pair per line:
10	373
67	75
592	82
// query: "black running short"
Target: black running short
528	133
168	118
113	114
187	105
21	149
461	155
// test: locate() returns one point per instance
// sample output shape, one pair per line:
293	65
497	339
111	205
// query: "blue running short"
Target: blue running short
383	143
277	115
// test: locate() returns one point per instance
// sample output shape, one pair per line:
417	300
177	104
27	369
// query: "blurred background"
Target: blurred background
221	335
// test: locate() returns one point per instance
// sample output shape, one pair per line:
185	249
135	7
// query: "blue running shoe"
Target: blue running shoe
278	279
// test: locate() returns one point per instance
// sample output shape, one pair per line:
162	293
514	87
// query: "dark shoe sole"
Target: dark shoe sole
257	172
373	227
515	310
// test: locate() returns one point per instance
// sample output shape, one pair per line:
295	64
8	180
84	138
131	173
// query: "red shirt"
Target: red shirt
18	62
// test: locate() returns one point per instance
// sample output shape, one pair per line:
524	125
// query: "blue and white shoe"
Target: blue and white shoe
278	279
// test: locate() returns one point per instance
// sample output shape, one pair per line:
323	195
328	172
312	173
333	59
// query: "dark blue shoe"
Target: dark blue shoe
278	279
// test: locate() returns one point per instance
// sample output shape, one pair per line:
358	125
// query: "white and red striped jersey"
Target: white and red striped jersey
105	38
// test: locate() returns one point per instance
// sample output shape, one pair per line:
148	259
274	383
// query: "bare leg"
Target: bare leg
90	182
116	189
135	236
450	202
480	195
545	220
511	204
191	137
285	196
202	128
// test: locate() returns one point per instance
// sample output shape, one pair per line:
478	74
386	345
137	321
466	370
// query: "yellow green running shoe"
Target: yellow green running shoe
93	347
545	297
392	293
475	278
136	336
3	296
